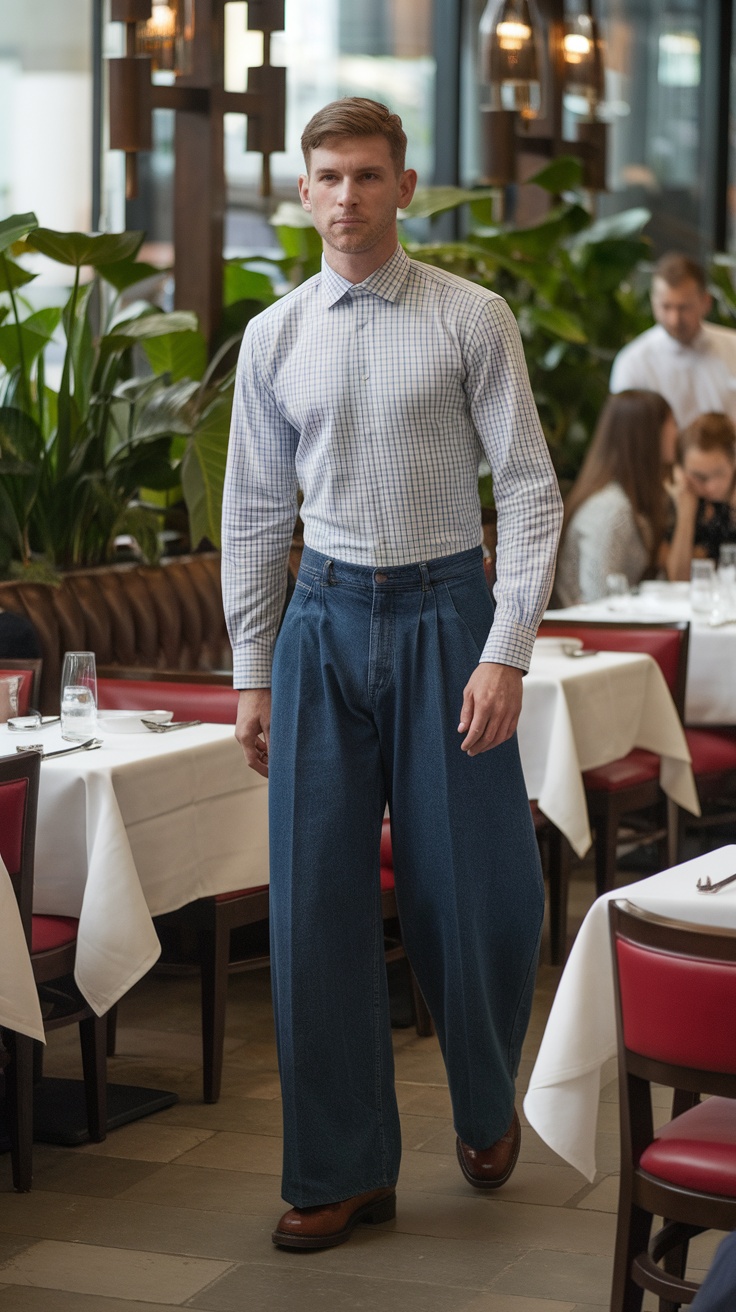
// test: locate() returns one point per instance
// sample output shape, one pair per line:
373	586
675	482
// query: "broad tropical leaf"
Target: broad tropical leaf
203	471
16	228
180	354
436	200
81	248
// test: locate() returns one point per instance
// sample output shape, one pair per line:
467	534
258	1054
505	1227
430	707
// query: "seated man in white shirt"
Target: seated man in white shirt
692	364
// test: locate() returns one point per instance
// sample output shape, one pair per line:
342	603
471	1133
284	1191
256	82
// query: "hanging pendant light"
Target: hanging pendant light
509	64
581	48
167	36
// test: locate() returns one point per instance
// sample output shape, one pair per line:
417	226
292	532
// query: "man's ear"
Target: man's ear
303	185
407	187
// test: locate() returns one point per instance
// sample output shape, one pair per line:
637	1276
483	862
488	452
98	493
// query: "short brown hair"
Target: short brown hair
675	269
356	116
710	432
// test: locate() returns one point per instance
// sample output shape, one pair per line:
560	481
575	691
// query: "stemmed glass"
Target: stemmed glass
78	696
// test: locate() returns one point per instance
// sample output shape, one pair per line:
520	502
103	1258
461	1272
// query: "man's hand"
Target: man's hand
252	727
491	707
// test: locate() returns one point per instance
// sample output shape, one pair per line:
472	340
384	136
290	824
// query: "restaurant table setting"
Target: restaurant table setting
709	603
582	710
133	823
19	1005
561	1103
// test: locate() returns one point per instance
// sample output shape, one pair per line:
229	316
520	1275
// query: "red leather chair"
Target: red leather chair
676	1013
52	946
631	783
30	680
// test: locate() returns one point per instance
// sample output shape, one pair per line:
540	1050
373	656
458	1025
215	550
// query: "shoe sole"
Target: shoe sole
490	1184
370	1214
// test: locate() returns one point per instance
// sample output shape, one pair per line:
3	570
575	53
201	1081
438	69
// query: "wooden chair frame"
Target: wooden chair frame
642	1196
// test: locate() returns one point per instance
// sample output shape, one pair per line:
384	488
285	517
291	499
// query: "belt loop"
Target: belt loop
426	583
328	573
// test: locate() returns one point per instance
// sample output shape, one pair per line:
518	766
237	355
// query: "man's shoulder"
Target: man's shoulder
642	345
455	287
722	338
290	306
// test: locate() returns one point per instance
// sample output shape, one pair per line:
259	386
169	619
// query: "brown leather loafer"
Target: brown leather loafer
489	1168
328	1226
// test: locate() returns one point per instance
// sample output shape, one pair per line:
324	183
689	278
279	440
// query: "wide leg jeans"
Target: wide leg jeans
368	679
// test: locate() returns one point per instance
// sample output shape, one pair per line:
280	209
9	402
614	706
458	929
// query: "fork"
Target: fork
705	885
155	727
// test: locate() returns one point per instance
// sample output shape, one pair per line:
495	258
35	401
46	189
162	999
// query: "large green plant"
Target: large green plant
73	459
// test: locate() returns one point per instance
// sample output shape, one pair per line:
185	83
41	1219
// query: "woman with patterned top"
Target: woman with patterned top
616	512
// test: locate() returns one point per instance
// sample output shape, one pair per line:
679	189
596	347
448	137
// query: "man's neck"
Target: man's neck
359	266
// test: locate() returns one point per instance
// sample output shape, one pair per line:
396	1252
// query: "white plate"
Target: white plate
130	721
557	646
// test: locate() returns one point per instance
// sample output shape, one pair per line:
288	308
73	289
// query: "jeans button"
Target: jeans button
380	578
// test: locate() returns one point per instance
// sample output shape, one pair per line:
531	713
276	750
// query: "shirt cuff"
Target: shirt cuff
252	665
509	643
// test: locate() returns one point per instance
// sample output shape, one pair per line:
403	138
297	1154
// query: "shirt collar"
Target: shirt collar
386	282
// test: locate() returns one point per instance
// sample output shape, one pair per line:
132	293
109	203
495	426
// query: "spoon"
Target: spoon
155	727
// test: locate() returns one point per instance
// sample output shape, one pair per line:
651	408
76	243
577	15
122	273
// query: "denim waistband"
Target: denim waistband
401	577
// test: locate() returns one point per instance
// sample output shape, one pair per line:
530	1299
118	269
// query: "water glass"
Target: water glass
727	564
78	696
702	586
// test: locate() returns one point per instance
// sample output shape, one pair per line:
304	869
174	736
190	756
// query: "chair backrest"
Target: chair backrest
666	643
19	780
29	672
675	999
213	703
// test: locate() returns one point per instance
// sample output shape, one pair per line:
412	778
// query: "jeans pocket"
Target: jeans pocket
471	605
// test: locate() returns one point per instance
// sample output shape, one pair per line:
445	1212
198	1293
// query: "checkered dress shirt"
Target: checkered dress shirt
379	400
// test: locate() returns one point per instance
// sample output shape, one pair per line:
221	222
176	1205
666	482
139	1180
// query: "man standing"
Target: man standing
376	387
691	364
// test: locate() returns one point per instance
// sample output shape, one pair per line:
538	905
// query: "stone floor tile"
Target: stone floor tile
238	1152
423	1099
290	1286
10	1246
241	1115
530	1183
577	1277
88	1269
24	1298
407	1257
147	1141
488	1217
512	1303
602	1198
419	1131
100	1177
202	1188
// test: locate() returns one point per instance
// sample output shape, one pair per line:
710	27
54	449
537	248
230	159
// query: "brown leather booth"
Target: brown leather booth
167	617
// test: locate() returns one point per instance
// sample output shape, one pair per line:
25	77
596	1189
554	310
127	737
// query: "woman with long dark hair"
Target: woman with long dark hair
616	512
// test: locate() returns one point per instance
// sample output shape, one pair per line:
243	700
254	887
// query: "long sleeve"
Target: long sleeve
259	511
525	488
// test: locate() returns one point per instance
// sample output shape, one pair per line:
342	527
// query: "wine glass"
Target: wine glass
702	586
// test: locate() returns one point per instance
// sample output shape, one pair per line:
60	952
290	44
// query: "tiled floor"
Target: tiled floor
177	1210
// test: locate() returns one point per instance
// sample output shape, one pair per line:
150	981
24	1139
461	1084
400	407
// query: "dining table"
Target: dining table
710	693
19	1006
562	1099
581	711
141	825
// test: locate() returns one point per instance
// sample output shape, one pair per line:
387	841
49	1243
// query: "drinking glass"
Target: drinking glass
617	587
78	696
702	586
727	564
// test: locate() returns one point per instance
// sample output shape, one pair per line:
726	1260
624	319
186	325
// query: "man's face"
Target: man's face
680	310
353	191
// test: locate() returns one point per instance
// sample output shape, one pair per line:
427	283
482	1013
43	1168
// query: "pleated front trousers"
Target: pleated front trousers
368	679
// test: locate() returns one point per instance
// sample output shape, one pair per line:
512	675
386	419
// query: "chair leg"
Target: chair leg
112	1030
422	1019
214	960
19	1103
632	1238
93	1040
559	878
606	834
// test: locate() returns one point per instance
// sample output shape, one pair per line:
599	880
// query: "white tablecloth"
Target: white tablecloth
19	1009
144	825
562	1100
578	714
710	696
